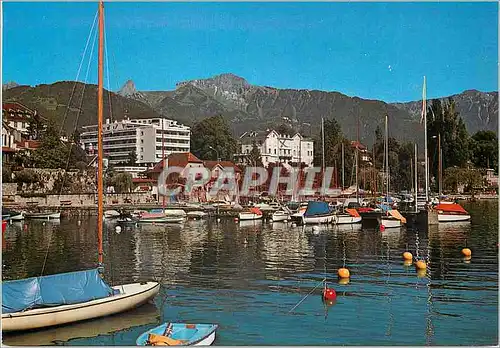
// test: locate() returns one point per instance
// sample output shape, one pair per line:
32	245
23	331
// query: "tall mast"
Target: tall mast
440	167
162	152
100	188
343	177
424	111
323	144
386	160
416	181
357	161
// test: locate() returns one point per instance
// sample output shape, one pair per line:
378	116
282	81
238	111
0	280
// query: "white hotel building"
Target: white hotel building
277	148
144	136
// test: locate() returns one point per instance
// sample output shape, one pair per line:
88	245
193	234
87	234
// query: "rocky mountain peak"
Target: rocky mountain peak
128	89
9	85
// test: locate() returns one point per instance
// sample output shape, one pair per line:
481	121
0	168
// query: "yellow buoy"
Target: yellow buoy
344	281
407	255
343	273
421	272
407	263
420	265
466	252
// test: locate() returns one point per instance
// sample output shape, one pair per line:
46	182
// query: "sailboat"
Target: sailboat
44	301
392	217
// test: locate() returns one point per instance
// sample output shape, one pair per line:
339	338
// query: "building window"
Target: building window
142	149
275	151
142	141
268	150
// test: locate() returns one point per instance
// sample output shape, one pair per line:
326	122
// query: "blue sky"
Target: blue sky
371	50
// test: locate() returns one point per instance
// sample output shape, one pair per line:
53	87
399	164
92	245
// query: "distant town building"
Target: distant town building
364	155
17	116
491	178
276	148
144	137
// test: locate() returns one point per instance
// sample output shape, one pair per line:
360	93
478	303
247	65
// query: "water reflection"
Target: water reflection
246	276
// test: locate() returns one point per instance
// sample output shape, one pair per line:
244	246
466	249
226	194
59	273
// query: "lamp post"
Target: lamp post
217	152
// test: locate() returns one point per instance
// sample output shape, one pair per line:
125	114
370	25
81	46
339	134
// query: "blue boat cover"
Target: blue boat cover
317	208
53	290
384	207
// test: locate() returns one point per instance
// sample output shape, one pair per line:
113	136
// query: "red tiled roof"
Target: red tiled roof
142	180
7	149
224	164
17	107
180	159
28	144
357	144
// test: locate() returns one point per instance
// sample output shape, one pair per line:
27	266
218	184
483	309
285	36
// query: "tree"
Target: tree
132	158
6	174
35	127
455	141
52	152
122	182
26	176
254	158
471	179
213	132
285	129
484	147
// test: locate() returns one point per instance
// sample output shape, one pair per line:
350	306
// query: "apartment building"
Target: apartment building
146	137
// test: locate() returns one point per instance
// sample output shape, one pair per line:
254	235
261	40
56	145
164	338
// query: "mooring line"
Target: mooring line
310	292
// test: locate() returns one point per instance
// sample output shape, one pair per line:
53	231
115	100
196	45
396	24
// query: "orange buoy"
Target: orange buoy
343	273
329	294
344	281
407	255
420	265
407	263
466	252
421	273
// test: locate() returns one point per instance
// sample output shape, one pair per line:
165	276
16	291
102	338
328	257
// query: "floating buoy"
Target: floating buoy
466	252
294	224
421	273
235	219
407	255
329	302
421	264
218	219
118	229
382	228
344	281
343	273
329	294
467	259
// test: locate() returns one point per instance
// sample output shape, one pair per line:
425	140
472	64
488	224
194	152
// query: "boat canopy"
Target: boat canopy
53	290
353	212
256	211
451	208
317	208
397	215
384	207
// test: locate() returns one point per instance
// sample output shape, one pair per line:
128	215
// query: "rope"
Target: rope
79	111
343	252
78	73
46	252
107	72
310	292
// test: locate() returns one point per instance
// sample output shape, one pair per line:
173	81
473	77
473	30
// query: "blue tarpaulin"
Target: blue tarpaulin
53	290
384	207
317	208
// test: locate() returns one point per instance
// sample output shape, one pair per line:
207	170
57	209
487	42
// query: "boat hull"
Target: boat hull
164	220
43	216
249	216
347	219
391	223
17	217
280	217
131	295
453	217
192	334
319	219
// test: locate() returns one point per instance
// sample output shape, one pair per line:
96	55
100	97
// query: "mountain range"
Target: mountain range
248	107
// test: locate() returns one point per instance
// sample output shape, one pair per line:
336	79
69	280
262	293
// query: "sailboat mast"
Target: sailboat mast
323	144
357	162
416	181
100	108
343	178
386	160
163	152
440	167
424	105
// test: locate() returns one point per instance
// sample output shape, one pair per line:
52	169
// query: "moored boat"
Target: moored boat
179	334
317	212
49	215
251	214
392	219
196	214
451	212
352	217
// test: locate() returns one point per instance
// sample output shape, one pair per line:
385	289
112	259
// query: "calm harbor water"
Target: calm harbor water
247	278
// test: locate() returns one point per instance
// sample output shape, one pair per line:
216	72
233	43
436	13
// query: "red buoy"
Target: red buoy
4	226
382	228
329	294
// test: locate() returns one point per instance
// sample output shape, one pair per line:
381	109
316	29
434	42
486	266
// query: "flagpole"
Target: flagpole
424	111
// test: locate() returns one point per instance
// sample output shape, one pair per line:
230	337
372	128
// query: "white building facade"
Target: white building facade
146	137
277	148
